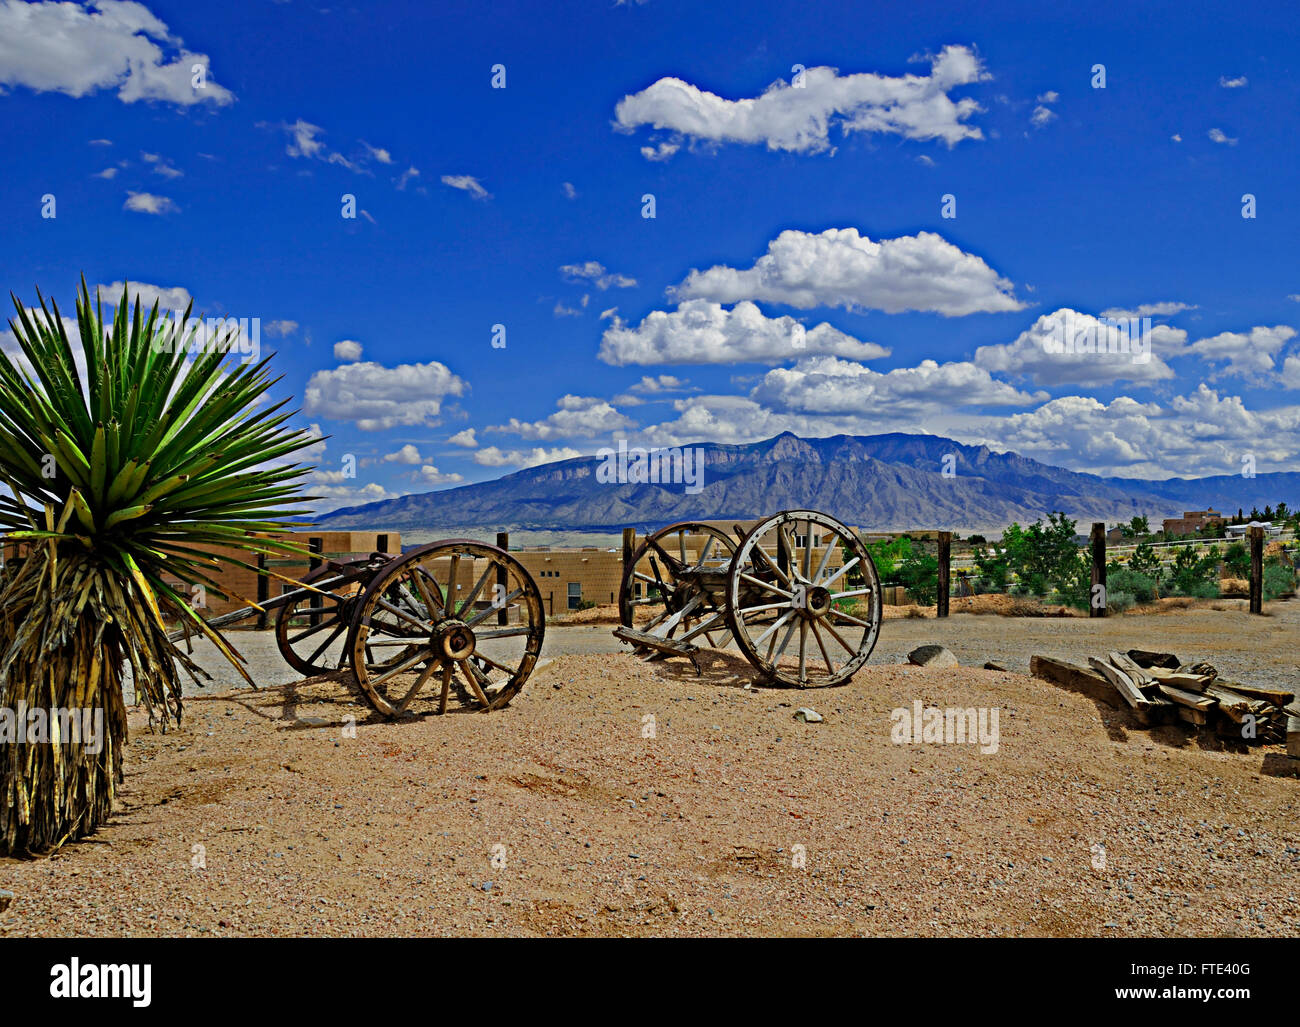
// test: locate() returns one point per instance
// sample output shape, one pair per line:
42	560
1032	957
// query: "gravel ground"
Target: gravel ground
266	814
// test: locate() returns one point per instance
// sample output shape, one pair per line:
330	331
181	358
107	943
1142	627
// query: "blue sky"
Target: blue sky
872	312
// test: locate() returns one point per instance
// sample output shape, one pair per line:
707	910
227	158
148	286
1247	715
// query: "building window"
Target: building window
575	594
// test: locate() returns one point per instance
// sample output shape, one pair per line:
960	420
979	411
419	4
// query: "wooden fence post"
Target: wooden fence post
629	545
503	542
1097	596
263	590
945	569
1256	569
315	545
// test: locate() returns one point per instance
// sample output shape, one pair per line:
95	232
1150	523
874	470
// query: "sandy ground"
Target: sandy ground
267	814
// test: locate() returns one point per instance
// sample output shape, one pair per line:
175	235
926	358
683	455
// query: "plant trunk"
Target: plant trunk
57	782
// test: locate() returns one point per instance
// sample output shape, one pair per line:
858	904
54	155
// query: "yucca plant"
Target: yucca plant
128	456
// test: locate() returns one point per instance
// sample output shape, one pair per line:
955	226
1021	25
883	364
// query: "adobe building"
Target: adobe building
1192	521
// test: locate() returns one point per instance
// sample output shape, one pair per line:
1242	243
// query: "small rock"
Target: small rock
993	665
808	716
931	656
6	897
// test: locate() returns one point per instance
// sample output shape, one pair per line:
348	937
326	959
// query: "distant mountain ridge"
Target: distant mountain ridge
881	482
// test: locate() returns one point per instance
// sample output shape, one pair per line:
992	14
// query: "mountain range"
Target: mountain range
881	482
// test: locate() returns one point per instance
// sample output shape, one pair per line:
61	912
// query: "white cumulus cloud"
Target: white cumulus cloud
347	350
378	397
842	268
797	116
577	417
81	48
702	332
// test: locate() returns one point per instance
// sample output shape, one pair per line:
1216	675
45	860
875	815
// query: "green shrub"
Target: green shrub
1279	579
1192	575
1125	580
919	574
1236	560
1118	602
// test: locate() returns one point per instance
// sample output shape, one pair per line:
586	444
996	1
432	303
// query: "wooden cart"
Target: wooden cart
797	577
451	614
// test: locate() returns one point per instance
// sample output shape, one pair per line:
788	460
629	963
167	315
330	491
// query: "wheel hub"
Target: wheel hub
818	601
454	639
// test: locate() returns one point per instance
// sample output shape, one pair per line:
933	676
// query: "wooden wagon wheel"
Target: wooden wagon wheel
451	613
311	630
804	573
683	592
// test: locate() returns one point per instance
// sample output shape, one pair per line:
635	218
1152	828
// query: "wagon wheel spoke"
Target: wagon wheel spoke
837	636
760	551
668	560
803	649
773	627
419	683
704	553
789	632
750	579
449	602
421	575
310	631
468	603
405	665
821	567
849	617
508	671
848	566
326	644
830	666
446	686
399	612
521	629
484	614
472	676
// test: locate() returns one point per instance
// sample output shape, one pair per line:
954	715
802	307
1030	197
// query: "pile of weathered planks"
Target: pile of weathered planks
1160	689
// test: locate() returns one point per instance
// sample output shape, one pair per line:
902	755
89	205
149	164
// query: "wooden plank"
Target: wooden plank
1188	699
1293	737
1126	686
1275	696
663	645
1234	704
1148	659
1139	676
1197	717
1188	682
1076	678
